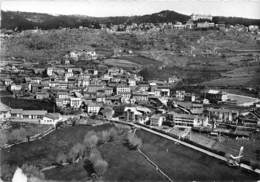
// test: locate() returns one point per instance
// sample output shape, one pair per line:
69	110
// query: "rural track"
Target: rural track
154	164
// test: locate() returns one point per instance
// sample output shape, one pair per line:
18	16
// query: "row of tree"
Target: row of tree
87	151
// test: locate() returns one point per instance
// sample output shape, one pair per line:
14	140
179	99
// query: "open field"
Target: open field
194	165
127	165
141	60
124	164
121	63
181	53
189	75
42	153
249	76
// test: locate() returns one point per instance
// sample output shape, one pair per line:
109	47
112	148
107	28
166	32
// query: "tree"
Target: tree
100	167
113	133
78	150
133	141
104	136
94	155
90	139
61	158
107	112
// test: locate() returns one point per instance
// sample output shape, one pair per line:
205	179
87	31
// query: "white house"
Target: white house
14	87
137	114
75	102
8	82
51	119
49	71
4	112
93	108
131	82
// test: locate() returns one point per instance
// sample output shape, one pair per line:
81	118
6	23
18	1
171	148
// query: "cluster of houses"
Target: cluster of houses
196	22
152	102
185	110
30	116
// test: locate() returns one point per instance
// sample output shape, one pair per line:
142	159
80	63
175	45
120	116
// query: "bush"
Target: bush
3	138
107	135
133	141
17	135
61	158
113	133
94	155
90	139
104	136
98	164
78	150
100	167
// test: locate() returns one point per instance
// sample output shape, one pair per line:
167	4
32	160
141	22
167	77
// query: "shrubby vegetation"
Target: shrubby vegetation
88	151
3	138
61	158
20	132
17	135
100	166
132	141
32	171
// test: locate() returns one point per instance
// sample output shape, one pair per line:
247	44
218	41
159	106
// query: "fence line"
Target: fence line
154	164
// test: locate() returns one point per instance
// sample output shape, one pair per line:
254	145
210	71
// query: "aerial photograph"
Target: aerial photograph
129	90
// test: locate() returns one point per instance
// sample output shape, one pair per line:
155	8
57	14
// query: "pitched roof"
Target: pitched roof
34	112
28	112
53	115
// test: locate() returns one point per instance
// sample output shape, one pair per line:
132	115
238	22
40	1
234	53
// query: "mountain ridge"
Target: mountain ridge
27	20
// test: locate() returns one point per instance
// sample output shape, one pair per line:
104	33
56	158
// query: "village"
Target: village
107	92
89	88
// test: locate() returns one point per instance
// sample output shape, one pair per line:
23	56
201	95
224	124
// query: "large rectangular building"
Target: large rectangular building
184	120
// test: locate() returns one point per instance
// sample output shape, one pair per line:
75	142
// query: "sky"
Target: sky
104	8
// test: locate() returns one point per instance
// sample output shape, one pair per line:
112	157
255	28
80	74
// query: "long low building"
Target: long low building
185	120
35	116
27	114
223	114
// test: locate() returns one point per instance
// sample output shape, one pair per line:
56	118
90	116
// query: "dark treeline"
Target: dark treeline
236	20
19	21
24	21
